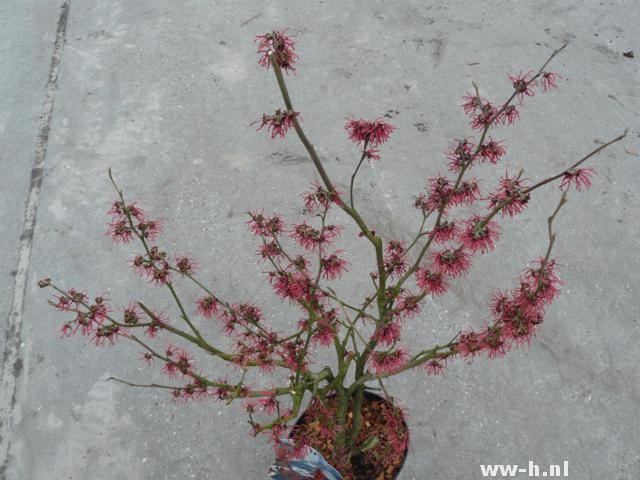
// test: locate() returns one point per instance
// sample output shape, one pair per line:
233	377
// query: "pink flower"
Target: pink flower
207	306
266	226
150	229
332	265
312	239
461	156
98	312
131	315
269	404
374	132
291	286
191	391
279	45
445	231
78	298
269	250
120	231
279	123
318	198
324	334
82	322
452	262
106	333
511	195
492	151
152	331
142	266
407	305
469	344
248	314
64	303
435	366
508	116
306	236
178	361
161	275
549	81
466	193
479	235
431	281
422	202
185	265
440	193
299	264
250	405
485	117
120	211
541	282
394	260
372	154
499	302
157	320
331	232
523	84
580	178
471	104
388	334
147	357
382	362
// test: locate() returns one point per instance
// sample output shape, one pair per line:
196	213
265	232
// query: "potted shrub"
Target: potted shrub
344	429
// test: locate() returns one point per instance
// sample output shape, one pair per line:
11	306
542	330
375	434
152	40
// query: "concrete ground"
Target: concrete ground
164	93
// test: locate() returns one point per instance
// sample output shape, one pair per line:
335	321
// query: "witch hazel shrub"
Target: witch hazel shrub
301	261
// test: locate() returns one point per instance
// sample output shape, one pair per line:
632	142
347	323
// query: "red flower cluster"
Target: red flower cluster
511	196
207	306
479	235
312	239
388	334
549	81
516	315
280	46
382	362
407	304
153	265
266	226
431	281
435	366
461	156
452	261
395	262
108	332
185	265
128	221
523	84
486	115
372	133
332	265
178	361
319	199
580	178
194	390
279	123
492	151
444	231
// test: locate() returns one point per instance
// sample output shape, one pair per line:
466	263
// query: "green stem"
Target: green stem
353	177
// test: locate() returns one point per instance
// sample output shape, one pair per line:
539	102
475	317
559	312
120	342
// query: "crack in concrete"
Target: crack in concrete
12	362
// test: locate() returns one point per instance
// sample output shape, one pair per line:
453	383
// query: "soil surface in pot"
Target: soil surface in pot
380	419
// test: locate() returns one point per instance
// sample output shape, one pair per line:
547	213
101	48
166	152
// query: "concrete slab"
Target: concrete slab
165	94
